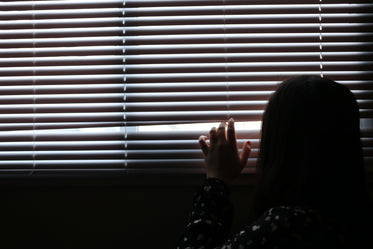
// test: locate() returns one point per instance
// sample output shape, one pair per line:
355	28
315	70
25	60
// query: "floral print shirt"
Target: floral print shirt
279	227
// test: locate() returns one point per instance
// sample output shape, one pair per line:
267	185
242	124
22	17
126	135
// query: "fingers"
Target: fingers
221	132
219	136
213	136
231	134
246	150
203	144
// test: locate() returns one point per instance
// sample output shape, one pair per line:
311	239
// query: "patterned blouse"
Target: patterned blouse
279	227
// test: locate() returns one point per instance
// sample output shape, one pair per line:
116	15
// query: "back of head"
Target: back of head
310	152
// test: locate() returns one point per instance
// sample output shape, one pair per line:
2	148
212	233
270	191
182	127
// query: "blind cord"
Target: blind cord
33	90
226	63
320	39
124	91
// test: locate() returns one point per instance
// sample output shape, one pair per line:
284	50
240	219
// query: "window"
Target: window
127	87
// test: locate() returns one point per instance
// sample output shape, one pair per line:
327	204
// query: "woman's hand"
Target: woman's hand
221	156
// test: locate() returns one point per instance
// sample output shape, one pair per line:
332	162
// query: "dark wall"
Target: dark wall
103	213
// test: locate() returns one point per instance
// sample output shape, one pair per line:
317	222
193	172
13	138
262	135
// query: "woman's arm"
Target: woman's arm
211	218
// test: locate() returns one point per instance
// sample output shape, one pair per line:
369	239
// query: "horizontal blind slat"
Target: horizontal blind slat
256	7
62	51
61	88
62	145
193	115
62	98
245	56
156	77
222	86
58	3
57	126
78	22
62	117
55	107
200	96
71	41
243	36
66	59
54	164
248	47
42	13
65	136
245	17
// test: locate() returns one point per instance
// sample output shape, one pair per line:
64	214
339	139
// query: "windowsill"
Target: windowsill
139	180
143	180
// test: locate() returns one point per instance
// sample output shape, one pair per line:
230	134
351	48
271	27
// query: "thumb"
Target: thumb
203	144
246	150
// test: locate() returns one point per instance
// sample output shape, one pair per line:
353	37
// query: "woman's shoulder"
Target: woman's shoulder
293	213
291	227
292	218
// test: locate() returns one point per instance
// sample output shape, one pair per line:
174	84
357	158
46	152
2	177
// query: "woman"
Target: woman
311	188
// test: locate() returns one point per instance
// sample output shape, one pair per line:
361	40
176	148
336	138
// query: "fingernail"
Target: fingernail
231	123
248	144
202	137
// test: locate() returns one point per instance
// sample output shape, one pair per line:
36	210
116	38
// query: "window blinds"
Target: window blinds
61	87
206	61
120	66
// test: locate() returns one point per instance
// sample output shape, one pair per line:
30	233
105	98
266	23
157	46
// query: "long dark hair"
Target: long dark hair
310	152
